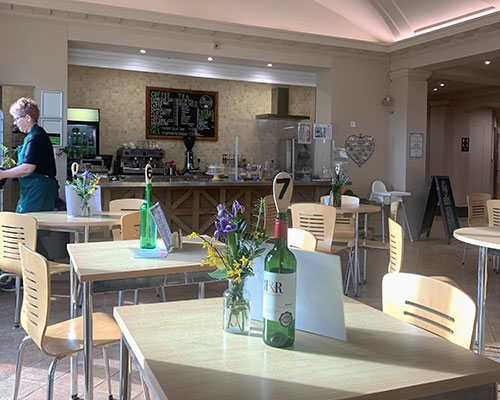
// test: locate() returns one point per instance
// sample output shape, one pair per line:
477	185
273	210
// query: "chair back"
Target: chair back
323	199
350	201
35	312
345	229
301	239
124	205
14	229
493	207
378	187
269	214
318	219
396	246
430	304
394	211
131	226
476	207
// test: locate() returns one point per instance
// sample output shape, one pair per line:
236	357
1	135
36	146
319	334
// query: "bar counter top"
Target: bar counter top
186	182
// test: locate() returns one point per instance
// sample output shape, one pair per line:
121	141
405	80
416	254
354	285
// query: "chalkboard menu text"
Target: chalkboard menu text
175	113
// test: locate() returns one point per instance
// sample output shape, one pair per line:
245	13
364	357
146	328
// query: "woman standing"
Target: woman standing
36	167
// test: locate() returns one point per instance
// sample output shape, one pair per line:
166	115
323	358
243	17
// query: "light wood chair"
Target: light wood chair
430	304
477	214
58	340
269	214
14	229
301	239
493	209
396	246
124	205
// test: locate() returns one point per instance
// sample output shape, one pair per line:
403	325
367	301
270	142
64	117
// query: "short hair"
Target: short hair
26	106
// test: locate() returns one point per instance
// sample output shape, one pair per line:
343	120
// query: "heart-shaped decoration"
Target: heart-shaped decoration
360	148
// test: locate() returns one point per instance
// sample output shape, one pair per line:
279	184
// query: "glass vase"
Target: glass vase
236	309
85	209
337	199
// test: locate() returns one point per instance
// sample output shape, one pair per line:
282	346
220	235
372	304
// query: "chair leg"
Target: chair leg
19	365
348	273
364	265
50	377
163	295
105	357
383	222
465	252
17	312
201	290
136	297
120	298
406	220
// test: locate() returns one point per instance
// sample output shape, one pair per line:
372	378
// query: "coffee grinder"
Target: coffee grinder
189	143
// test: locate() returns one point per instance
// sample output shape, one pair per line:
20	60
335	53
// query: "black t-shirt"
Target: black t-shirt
38	151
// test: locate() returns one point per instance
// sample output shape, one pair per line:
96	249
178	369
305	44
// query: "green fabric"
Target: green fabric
37	193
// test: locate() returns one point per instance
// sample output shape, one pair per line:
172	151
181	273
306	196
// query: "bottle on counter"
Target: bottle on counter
84	139
280	267
90	141
148	225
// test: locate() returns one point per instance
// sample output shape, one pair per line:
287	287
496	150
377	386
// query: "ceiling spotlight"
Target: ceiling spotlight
441	84
487	62
435	89
142	51
269	65
210	59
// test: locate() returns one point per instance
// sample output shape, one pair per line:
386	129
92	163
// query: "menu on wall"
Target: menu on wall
175	113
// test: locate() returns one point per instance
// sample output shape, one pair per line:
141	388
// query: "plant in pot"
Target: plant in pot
7	161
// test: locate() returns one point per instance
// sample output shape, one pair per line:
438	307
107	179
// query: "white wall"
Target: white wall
34	53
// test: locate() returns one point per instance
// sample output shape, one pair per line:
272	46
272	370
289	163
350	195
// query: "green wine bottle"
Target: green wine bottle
280	268
148	225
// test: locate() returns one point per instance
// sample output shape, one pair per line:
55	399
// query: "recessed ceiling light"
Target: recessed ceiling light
435	89
441	84
269	65
210	59
487	62
142	51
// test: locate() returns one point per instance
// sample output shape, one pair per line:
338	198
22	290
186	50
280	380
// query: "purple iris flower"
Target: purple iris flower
237	207
86	175
223	226
221	212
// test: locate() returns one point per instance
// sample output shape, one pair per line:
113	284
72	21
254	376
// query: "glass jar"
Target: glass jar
236	303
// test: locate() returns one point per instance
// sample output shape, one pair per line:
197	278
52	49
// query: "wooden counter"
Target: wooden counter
191	204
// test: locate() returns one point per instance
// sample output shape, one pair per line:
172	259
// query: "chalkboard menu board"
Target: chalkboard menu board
175	113
440	193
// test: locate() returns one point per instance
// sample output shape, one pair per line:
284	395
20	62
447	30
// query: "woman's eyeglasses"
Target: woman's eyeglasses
18	118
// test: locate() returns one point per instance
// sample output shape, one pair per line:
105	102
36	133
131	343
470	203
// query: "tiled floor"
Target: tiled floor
430	256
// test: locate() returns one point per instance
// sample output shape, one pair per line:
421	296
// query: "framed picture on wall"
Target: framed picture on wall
416	145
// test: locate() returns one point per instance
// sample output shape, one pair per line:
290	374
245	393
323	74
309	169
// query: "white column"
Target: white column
324	90
409	91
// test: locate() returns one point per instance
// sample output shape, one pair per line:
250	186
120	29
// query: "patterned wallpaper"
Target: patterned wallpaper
121	98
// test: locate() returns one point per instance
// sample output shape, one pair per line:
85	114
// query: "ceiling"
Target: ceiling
380	21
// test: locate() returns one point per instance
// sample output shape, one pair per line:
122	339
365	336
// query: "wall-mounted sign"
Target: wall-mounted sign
465	144
360	148
322	131
305	133
175	113
416	149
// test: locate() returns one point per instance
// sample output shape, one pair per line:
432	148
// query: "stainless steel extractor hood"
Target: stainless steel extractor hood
279	107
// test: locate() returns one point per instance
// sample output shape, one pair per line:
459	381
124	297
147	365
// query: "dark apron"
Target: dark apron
37	192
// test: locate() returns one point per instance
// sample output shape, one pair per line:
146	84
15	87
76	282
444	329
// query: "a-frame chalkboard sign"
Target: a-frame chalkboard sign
440	193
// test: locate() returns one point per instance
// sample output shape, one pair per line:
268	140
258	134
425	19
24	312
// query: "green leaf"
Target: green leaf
218	274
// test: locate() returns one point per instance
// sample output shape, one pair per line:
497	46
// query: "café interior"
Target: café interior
384	114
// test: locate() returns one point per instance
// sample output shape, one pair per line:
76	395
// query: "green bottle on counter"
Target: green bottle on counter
280	269
148	225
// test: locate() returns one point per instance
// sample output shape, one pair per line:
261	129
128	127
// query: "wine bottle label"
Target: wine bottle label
279	297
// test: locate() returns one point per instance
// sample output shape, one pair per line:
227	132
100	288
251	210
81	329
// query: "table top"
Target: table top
56	219
186	355
392	193
100	261
483	236
350	209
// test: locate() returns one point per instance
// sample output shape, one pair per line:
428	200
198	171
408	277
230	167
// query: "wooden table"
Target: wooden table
486	238
105	261
184	354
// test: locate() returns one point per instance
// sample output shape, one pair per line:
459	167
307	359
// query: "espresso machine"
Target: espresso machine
189	160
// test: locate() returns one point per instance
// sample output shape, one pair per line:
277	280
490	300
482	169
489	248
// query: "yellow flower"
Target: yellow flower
243	260
236	264
193	235
237	279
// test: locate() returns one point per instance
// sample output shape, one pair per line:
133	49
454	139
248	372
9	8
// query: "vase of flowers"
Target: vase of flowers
234	260
338	185
85	187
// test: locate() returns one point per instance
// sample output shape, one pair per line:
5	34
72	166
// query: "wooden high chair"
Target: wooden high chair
14	229
58	340
430	304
